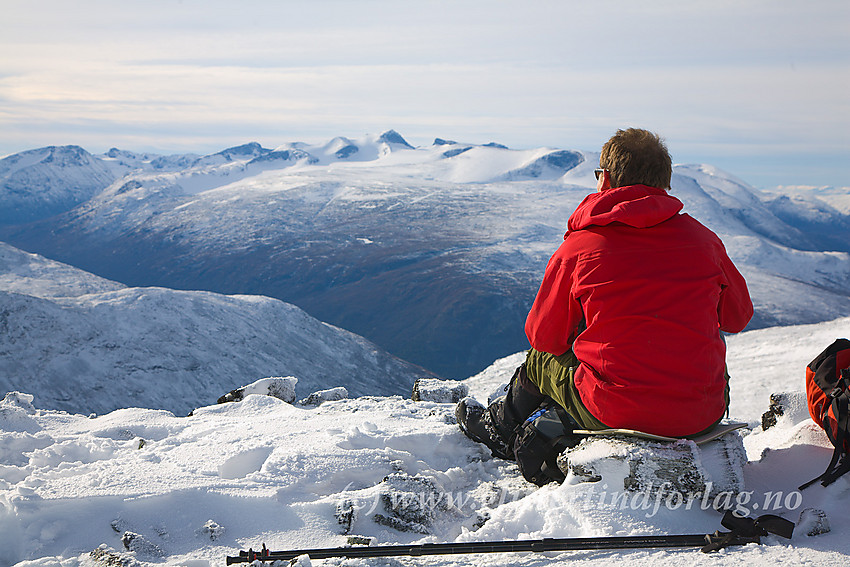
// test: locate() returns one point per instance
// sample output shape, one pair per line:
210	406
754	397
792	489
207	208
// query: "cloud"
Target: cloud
752	77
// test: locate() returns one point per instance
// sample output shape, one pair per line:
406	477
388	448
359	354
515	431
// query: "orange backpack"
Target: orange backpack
828	393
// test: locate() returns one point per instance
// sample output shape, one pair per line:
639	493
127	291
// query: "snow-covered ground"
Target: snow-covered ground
191	490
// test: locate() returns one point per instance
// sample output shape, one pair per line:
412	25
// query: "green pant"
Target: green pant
554	377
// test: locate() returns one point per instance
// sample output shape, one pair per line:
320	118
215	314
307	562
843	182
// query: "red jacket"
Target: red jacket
654	288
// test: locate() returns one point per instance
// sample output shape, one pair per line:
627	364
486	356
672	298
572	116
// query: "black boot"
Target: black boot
496	425
476	422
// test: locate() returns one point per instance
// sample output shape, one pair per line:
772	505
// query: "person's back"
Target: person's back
625	329
649	282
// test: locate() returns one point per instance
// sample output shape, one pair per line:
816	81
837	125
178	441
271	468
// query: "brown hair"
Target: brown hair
637	157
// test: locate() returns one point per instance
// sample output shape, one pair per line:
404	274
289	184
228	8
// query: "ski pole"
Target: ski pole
743	531
537	545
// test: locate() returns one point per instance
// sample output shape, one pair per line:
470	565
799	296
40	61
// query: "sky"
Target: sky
758	88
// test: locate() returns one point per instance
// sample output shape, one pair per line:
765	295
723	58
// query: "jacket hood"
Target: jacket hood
639	206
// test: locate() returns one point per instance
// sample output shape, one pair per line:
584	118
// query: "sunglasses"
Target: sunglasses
598	172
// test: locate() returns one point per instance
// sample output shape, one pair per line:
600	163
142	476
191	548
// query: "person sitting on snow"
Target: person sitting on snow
626	327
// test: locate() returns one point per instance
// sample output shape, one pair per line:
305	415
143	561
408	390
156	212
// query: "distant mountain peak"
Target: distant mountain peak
40	183
249	149
62	156
393	137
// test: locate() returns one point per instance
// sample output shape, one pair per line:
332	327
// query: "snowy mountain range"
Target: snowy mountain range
434	253
76	337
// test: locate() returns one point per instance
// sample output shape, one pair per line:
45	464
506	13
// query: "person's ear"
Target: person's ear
604	181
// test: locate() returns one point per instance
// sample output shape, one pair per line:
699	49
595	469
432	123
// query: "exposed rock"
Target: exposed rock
790	404
141	545
456	151
353	540
105	556
393	137
345	515
410	503
346	151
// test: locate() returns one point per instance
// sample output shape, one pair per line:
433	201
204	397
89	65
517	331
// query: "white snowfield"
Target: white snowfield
187	491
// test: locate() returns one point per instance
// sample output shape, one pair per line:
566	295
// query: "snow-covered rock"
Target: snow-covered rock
813	522
322	396
433	390
711	471
16	412
282	388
